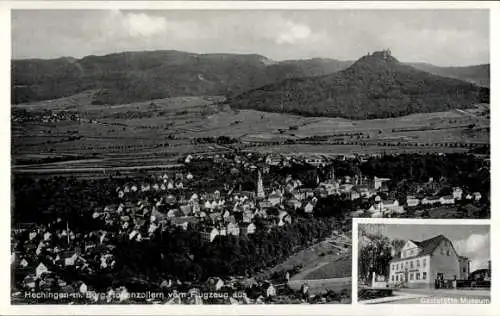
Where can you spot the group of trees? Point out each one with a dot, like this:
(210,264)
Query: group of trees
(221,140)
(183,254)
(374,256)
(461,170)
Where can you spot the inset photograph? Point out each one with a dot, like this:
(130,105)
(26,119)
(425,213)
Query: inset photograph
(424,263)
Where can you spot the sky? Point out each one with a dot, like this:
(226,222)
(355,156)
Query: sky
(442,37)
(472,241)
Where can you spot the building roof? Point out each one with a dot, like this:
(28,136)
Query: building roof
(427,246)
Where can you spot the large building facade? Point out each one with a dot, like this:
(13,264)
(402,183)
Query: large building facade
(421,263)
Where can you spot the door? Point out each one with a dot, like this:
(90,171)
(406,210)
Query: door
(440,280)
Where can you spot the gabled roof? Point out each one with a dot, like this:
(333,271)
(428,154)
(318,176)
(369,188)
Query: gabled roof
(427,246)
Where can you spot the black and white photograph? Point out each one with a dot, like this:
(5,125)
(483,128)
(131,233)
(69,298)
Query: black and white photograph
(219,156)
(424,263)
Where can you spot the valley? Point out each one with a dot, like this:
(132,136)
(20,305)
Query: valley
(160,132)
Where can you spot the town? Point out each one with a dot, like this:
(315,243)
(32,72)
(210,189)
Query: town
(221,222)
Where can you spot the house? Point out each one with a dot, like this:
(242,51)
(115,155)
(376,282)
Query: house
(29,282)
(388,207)
(377,182)
(429,200)
(233,229)
(293,203)
(477,196)
(308,208)
(210,234)
(40,270)
(305,193)
(274,199)
(412,201)
(186,209)
(24,263)
(421,263)
(215,284)
(446,200)
(353,195)
(321,192)
(247,229)
(365,192)
(457,193)
(346,187)
(70,259)
(251,228)
(464,268)
(266,204)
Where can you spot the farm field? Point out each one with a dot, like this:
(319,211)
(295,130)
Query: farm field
(303,149)
(163,130)
(339,267)
(313,258)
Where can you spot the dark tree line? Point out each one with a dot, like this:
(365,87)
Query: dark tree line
(183,255)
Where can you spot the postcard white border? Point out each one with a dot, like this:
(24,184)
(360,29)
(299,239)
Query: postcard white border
(354,309)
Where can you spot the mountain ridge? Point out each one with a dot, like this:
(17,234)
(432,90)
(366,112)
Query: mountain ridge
(140,76)
(375,86)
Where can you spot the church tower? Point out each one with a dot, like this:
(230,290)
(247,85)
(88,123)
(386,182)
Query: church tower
(260,186)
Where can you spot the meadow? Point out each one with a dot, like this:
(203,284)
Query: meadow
(162,131)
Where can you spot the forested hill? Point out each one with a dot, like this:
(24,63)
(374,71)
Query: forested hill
(140,76)
(477,74)
(375,86)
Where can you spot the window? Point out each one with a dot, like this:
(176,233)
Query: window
(411,264)
(418,275)
(424,262)
(418,263)
(448,252)
(411,276)
(406,264)
(392,278)
(464,270)
(424,275)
